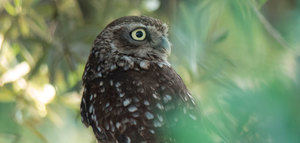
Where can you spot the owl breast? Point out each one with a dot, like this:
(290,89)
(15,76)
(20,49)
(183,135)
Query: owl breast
(134,100)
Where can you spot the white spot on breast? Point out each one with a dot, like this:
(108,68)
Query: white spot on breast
(101,83)
(125,120)
(152,131)
(107,104)
(144,64)
(91,108)
(149,115)
(99,74)
(126,102)
(121,94)
(91,97)
(167,64)
(102,90)
(133,121)
(113,67)
(132,108)
(128,140)
(118,84)
(97,53)
(112,126)
(159,106)
(156,124)
(185,98)
(160,118)
(191,97)
(155,96)
(128,60)
(88,67)
(160,64)
(152,88)
(94,117)
(193,101)
(113,47)
(167,98)
(139,83)
(118,125)
(146,103)
(96,121)
(119,90)
(99,129)
(106,126)
(142,128)
(126,67)
(98,68)
(141,90)
(111,83)
(121,64)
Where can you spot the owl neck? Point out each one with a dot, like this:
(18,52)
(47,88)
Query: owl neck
(102,62)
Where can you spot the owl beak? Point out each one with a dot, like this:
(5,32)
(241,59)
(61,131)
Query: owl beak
(164,46)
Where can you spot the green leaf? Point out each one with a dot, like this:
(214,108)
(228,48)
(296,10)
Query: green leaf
(18,3)
(23,25)
(10,9)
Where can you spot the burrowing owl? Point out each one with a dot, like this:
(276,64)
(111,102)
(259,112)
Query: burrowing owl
(131,93)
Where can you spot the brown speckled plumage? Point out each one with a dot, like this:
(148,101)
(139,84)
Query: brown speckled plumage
(131,93)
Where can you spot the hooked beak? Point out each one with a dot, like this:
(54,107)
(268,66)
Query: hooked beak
(164,46)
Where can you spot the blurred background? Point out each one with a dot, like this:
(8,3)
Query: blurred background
(239,58)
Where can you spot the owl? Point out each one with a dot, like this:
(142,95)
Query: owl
(131,92)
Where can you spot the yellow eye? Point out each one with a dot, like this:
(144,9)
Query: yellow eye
(138,34)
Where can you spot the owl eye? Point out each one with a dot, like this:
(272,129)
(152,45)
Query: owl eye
(138,34)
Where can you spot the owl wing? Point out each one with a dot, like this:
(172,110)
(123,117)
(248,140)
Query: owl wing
(138,105)
(182,115)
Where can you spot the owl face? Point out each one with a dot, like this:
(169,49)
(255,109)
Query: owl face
(141,37)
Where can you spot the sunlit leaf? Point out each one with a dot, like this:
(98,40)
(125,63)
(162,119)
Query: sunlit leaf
(10,8)
(24,27)
(6,94)
(18,3)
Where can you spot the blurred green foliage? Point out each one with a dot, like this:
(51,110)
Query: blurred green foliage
(240,59)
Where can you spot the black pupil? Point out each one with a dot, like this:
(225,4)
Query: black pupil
(139,34)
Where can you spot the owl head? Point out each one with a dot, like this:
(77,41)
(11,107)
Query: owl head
(137,36)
